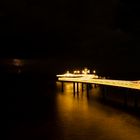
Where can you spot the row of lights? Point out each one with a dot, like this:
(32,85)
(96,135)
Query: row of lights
(85,71)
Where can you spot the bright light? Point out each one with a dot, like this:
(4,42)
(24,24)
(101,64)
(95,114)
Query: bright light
(94,71)
(75,71)
(86,71)
(78,71)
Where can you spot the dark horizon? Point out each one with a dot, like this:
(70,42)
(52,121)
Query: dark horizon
(104,35)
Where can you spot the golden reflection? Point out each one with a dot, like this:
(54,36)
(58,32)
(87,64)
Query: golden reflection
(80,116)
(70,103)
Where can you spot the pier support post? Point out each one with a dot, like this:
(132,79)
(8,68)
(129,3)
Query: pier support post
(74,87)
(62,88)
(77,87)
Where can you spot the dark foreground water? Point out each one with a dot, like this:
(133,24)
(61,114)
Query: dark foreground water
(38,109)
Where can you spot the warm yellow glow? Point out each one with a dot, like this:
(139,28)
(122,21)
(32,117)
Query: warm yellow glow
(70,104)
(118,83)
(78,71)
(94,71)
(77,74)
(86,77)
(86,71)
(96,76)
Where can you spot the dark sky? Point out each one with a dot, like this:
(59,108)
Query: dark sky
(105,33)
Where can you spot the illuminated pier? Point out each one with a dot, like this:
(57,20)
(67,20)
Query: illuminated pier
(86,79)
(117,83)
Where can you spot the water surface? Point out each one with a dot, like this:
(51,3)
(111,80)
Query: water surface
(51,114)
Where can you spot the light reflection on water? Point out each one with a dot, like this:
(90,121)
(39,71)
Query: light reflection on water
(83,117)
(65,116)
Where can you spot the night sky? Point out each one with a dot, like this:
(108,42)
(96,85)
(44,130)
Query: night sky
(100,33)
